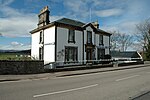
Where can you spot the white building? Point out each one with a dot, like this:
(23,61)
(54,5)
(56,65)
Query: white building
(68,42)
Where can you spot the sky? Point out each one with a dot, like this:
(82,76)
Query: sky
(19,17)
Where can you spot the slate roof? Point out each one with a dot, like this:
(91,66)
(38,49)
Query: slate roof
(70,22)
(126,54)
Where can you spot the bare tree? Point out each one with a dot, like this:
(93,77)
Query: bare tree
(121,41)
(143,33)
(114,40)
(143,36)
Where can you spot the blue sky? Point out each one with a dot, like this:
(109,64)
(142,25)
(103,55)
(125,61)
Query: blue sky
(19,17)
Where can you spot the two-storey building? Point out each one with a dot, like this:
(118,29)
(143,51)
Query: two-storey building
(68,42)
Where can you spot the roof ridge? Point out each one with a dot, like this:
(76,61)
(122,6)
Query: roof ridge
(70,19)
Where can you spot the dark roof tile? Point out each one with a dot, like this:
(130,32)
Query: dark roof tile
(126,54)
(70,22)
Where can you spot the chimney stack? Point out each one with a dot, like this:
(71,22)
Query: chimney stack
(95,24)
(44,17)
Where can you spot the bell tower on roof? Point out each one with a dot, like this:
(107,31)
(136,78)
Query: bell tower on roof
(44,17)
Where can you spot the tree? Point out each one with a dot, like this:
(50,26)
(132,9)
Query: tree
(143,36)
(121,41)
(1,34)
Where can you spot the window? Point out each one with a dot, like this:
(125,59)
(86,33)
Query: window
(89,37)
(41,52)
(100,53)
(100,39)
(71,54)
(41,37)
(71,36)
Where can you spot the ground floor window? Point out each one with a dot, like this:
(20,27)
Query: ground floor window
(100,53)
(71,54)
(41,53)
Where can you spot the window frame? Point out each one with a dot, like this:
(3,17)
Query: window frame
(101,38)
(74,56)
(89,37)
(41,41)
(100,53)
(41,53)
(71,39)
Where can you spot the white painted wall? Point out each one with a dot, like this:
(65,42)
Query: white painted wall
(62,41)
(106,44)
(49,45)
(97,44)
(95,40)
(35,45)
(85,38)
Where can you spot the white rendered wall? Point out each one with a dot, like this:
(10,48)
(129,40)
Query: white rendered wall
(105,41)
(106,44)
(85,38)
(49,45)
(97,44)
(35,45)
(62,41)
(95,41)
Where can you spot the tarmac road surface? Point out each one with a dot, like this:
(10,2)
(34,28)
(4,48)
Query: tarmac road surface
(111,85)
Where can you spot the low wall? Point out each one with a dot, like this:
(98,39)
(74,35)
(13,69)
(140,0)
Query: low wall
(21,67)
(131,63)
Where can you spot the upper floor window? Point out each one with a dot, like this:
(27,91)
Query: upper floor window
(41,37)
(89,37)
(71,36)
(100,39)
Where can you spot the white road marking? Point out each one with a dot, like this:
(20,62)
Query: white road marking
(96,73)
(64,91)
(127,77)
(26,80)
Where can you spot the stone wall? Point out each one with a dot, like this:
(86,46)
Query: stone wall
(21,67)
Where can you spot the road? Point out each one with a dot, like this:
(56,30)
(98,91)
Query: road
(112,85)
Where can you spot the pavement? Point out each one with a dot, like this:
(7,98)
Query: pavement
(142,96)
(4,78)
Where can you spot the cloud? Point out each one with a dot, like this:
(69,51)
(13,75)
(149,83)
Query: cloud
(128,27)
(109,12)
(15,23)
(54,18)
(17,26)
(75,5)
(77,9)
(5,2)
(16,44)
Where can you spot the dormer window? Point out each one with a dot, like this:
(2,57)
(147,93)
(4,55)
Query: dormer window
(71,36)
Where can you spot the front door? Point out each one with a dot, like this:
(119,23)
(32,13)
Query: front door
(89,54)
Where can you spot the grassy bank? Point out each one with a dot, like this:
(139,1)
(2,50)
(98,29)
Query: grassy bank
(14,56)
